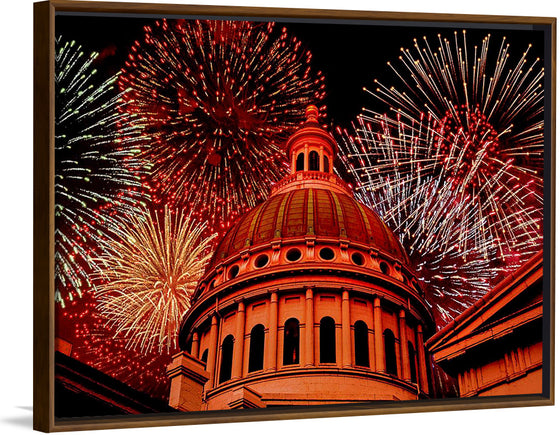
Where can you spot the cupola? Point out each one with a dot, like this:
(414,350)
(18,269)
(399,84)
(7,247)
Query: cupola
(311,148)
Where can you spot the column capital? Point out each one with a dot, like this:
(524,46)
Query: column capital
(213,316)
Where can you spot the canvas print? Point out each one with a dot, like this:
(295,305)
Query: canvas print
(255,213)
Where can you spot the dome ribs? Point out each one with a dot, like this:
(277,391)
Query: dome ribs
(242,233)
(310,228)
(353,221)
(367,223)
(339,216)
(294,221)
(281,215)
(264,227)
(324,214)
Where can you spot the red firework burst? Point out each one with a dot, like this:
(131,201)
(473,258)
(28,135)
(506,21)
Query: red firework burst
(218,100)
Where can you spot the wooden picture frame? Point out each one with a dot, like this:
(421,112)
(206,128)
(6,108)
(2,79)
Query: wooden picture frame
(447,344)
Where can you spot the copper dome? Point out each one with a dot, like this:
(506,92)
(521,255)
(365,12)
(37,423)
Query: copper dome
(318,212)
(311,202)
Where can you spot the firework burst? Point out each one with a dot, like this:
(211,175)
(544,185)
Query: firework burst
(218,99)
(449,245)
(148,273)
(485,113)
(455,166)
(89,170)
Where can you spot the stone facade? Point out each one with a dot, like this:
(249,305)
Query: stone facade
(496,347)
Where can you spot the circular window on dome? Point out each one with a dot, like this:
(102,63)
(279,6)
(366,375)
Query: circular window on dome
(384,267)
(358,259)
(261,261)
(233,271)
(326,254)
(293,254)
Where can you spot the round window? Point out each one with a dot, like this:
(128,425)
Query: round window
(233,271)
(326,254)
(358,259)
(261,261)
(293,254)
(384,267)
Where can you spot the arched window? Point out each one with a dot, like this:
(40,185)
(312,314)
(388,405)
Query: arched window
(313,161)
(325,164)
(412,362)
(256,349)
(390,353)
(361,345)
(227,359)
(300,162)
(291,341)
(204,357)
(327,340)
(189,346)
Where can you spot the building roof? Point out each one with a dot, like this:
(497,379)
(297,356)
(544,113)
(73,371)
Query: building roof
(310,211)
(514,303)
(310,202)
(83,391)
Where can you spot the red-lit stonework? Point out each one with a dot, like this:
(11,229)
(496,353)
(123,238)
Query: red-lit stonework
(309,299)
(496,346)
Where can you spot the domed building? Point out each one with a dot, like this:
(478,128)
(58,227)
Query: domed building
(309,299)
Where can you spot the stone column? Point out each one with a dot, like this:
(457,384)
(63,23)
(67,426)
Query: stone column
(195,345)
(371,349)
(423,374)
(346,336)
(212,351)
(378,331)
(237,362)
(272,348)
(321,159)
(398,374)
(306,158)
(309,324)
(405,361)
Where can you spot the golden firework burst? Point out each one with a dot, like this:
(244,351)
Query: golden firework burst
(148,273)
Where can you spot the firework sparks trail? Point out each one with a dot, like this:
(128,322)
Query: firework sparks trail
(94,344)
(486,120)
(89,173)
(147,276)
(448,242)
(455,167)
(218,99)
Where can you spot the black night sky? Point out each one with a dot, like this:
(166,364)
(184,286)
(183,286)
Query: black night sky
(350,55)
